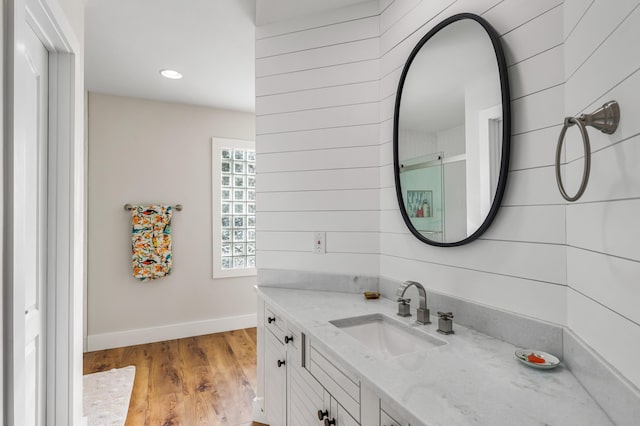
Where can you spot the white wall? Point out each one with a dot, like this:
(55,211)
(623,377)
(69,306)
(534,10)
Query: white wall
(145,151)
(519,265)
(573,265)
(480,95)
(74,11)
(603,260)
(326,85)
(522,263)
(417,143)
(317,141)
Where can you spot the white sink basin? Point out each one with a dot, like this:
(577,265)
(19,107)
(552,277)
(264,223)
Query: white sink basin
(386,336)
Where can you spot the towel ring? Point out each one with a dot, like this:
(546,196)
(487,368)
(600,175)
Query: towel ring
(568,122)
(605,119)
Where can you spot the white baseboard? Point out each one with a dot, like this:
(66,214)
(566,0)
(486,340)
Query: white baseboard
(140,336)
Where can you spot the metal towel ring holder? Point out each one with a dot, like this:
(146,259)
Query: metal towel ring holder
(605,119)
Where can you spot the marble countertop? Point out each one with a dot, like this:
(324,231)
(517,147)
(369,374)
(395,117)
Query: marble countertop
(472,380)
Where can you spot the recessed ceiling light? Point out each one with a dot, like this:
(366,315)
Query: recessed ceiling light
(172,74)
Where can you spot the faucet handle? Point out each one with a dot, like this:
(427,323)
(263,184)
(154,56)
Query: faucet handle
(404,309)
(445,323)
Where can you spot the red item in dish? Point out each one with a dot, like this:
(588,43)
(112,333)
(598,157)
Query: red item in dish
(535,359)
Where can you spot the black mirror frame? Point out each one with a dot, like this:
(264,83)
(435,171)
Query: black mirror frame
(506,128)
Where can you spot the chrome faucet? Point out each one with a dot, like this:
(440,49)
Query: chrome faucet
(403,303)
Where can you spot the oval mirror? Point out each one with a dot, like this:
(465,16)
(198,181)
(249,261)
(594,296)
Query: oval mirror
(451,132)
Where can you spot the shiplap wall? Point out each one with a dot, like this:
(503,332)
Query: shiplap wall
(602,62)
(317,141)
(325,94)
(520,263)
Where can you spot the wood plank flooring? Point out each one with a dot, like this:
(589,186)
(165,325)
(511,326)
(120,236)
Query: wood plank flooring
(206,380)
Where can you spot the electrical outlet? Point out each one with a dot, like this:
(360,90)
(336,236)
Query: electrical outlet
(319,242)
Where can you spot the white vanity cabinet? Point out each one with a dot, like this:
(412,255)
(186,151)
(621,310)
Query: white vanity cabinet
(387,420)
(275,358)
(307,397)
(305,386)
(300,381)
(281,350)
(343,387)
(390,417)
(310,404)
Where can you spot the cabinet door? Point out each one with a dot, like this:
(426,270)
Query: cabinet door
(341,384)
(275,381)
(340,415)
(306,398)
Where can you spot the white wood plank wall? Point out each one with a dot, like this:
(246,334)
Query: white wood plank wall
(520,263)
(326,88)
(602,62)
(318,141)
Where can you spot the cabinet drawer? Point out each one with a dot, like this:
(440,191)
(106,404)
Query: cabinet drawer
(275,323)
(343,386)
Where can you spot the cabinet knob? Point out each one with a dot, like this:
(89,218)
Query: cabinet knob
(280,363)
(271,319)
(328,422)
(288,339)
(323,414)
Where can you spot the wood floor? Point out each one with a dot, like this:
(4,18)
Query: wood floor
(205,380)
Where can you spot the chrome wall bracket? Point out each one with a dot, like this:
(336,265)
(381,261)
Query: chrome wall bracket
(605,119)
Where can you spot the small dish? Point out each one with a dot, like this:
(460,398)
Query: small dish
(371,295)
(550,361)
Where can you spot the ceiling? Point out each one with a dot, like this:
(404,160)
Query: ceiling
(211,42)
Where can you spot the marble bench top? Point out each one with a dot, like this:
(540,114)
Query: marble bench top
(472,380)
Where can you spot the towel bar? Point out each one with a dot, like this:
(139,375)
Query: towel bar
(605,119)
(129,207)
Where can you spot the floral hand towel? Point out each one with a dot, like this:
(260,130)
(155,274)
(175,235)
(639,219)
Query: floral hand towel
(151,241)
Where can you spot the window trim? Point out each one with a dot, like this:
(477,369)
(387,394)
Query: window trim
(216,205)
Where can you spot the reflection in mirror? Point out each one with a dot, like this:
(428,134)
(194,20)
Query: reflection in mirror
(451,117)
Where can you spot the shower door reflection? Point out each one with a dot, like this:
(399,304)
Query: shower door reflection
(422,181)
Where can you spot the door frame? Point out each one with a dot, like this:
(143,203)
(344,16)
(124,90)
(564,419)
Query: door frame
(66,215)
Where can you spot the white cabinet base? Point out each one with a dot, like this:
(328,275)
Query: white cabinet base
(309,381)
(258,410)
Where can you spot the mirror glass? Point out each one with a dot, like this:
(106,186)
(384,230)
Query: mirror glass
(451,132)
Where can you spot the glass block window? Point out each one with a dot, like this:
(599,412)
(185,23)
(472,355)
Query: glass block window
(234,207)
